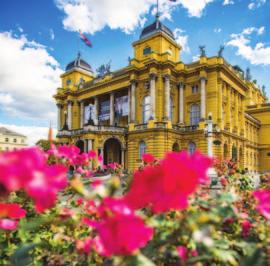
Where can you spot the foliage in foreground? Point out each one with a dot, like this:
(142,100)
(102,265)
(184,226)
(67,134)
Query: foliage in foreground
(166,214)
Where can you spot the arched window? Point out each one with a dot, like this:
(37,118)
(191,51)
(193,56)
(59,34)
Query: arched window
(146,108)
(225,151)
(171,109)
(175,147)
(191,148)
(142,149)
(234,153)
(194,114)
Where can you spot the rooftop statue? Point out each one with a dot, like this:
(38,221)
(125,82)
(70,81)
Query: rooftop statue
(104,69)
(221,50)
(202,50)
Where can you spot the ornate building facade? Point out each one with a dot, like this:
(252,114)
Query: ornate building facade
(157,103)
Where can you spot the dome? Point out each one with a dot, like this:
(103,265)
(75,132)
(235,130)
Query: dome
(79,63)
(157,26)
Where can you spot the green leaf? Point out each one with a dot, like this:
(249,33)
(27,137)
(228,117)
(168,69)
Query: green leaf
(255,259)
(139,260)
(21,256)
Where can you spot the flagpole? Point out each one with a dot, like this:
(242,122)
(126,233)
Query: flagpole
(157,15)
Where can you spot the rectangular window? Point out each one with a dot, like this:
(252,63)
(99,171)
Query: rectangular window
(104,110)
(147,51)
(195,89)
(121,106)
(89,114)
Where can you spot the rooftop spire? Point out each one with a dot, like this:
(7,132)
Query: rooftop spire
(50,134)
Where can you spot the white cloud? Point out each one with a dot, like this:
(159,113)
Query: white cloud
(52,35)
(256,4)
(33,133)
(181,39)
(195,7)
(217,30)
(29,76)
(228,2)
(6,99)
(257,55)
(196,58)
(91,16)
(20,29)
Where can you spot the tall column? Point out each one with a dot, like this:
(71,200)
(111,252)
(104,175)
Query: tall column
(59,122)
(81,114)
(123,158)
(203,98)
(90,145)
(167,101)
(153,95)
(112,109)
(96,111)
(85,145)
(133,102)
(69,114)
(181,103)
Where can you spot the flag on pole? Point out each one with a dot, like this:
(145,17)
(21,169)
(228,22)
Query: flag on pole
(172,0)
(85,39)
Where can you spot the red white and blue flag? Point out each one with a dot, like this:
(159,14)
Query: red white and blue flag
(85,39)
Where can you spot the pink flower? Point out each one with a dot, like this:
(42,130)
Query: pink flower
(100,158)
(148,158)
(10,210)
(246,226)
(84,246)
(66,213)
(223,181)
(7,224)
(16,167)
(27,169)
(92,154)
(45,184)
(182,253)
(79,201)
(194,253)
(263,198)
(120,231)
(168,185)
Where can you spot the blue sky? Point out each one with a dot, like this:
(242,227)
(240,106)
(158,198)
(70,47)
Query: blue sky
(38,38)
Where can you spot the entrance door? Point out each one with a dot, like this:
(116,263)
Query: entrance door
(112,151)
(80,145)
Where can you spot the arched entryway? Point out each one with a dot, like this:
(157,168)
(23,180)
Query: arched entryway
(176,147)
(112,151)
(80,145)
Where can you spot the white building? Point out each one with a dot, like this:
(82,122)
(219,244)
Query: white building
(10,140)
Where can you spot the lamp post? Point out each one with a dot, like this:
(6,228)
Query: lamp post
(209,136)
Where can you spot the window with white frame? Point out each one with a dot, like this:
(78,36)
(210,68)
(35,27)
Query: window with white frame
(142,149)
(191,148)
(194,114)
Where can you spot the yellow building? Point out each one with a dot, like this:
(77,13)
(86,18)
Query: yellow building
(157,103)
(10,140)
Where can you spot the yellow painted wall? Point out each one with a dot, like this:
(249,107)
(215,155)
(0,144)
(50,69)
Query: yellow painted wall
(227,98)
